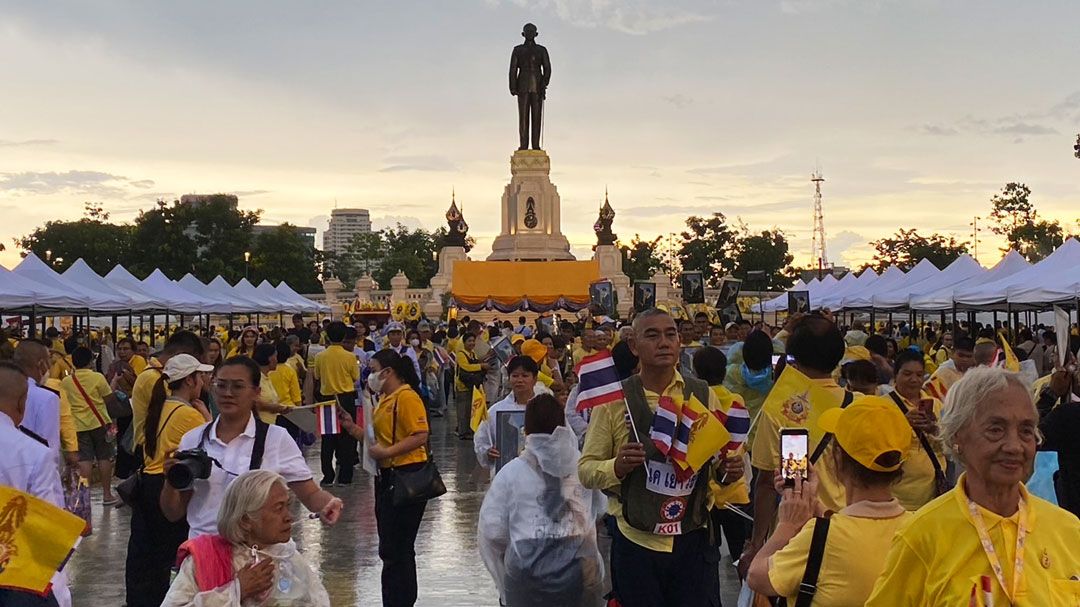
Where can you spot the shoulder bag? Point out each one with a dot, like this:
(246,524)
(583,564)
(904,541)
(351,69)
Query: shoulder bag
(416,483)
(129,489)
(941,482)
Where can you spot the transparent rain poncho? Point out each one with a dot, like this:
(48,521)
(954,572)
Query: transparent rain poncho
(537,529)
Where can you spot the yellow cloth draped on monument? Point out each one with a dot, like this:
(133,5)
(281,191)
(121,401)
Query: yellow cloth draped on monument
(36,539)
(506,283)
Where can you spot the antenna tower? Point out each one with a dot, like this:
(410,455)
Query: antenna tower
(817,250)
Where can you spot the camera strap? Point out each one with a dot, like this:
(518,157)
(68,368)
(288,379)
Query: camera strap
(825,440)
(257,450)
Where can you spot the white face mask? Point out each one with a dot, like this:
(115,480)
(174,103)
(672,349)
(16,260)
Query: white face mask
(375,381)
(414,342)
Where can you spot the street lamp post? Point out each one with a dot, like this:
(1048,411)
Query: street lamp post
(247,265)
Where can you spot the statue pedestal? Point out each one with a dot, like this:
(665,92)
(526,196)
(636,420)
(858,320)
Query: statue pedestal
(530,213)
(609,258)
(440,283)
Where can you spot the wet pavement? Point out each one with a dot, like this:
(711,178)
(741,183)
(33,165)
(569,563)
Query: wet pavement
(450,571)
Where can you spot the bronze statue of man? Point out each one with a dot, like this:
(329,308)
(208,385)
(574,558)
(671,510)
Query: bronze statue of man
(530,71)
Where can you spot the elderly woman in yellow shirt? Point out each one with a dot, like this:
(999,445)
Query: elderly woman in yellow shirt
(988,541)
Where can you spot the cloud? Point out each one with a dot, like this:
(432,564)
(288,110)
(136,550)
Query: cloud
(393,164)
(1024,128)
(8,143)
(391,221)
(937,130)
(95,183)
(636,17)
(243,193)
(678,100)
(844,240)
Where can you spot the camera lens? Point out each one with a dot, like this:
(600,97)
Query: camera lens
(181,476)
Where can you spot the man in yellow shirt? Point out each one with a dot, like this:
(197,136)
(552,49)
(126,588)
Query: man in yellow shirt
(181,342)
(962,359)
(337,372)
(662,553)
(90,395)
(817,348)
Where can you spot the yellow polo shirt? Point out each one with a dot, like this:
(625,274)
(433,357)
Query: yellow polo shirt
(607,433)
(69,438)
(268,393)
(937,558)
(138,363)
(96,388)
(337,370)
(466,361)
(916,486)
(287,385)
(184,418)
(411,419)
(855,549)
(140,399)
(765,450)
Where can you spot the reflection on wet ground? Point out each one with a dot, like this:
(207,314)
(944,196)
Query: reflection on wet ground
(450,570)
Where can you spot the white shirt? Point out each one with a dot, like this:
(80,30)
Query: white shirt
(29,466)
(280,455)
(42,417)
(485,433)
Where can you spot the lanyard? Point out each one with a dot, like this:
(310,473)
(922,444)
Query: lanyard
(991,552)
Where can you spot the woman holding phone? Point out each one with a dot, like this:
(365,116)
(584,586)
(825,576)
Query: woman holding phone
(923,477)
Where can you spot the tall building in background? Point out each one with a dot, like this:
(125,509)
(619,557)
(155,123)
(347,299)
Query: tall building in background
(344,224)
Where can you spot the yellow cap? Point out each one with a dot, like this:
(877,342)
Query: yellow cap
(517,338)
(534,350)
(869,428)
(853,353)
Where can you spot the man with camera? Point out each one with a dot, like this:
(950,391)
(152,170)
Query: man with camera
(214,454)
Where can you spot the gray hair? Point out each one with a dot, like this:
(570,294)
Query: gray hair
(290,340)
(967,396)
(244,497)
(644,315)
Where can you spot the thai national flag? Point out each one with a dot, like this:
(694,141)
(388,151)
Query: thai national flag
(737,422)
(670,430)
(598,381)
(328,419)
(443,357)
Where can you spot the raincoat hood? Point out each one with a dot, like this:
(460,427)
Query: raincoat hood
(557,453)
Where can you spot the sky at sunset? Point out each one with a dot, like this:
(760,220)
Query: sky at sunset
(917,111)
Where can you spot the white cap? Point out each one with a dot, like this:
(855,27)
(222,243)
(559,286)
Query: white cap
(180,366)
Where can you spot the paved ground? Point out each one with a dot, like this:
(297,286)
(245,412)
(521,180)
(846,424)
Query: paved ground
(450,570)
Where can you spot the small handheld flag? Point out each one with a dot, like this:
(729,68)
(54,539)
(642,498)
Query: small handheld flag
(598,381)
(36,540)
(479,408)
(327,415)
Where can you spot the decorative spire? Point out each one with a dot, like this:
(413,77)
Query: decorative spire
(602,227)
(457,229)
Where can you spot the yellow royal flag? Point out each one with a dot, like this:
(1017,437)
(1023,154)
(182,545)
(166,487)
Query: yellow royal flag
(708,436)
(36,539)
(479,408)
(796,401)
(1011,362)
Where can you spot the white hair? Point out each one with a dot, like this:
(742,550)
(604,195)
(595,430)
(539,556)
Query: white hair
(967,396)
(244,497)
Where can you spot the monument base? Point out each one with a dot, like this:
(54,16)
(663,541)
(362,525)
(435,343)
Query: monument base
(530,213)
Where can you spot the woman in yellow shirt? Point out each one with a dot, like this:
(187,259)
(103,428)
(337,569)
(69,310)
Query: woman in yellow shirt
(287,385)
(919,483)
(245,346)
(710,365)
(401,438)
(871,438)
(468,363)
(154,539)
(988,532)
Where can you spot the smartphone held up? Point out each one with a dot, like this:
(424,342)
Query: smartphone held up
(794,454)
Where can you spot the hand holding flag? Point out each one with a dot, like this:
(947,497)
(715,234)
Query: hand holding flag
(328,422)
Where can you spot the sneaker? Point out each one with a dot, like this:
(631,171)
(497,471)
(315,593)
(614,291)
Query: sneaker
(326,482)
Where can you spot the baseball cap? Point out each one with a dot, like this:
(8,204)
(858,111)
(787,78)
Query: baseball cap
(534,350)
(182,365)
(868,429)
(517,338)
(395,326)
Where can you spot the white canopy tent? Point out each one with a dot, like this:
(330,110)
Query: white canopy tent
(218,303)
(863,298)
(18,292)
(82,275)
(180,299)
(240,302)
(88,298)
(898,297)
(120,278)
(309,305)
(268,292)
(266,305)
(941,299)
(780,302)
(1048,272)
(835,297)
(1054,287)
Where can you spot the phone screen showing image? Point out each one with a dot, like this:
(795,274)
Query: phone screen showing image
(794,453)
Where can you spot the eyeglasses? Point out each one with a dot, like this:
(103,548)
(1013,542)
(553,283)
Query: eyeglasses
(226,387)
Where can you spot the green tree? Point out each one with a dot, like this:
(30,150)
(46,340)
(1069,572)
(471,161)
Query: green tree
(1037,239)
(100,244)
(641,258)
(766,252)
(206,239)
(706,245)
(285,255)
(906,248)
(1011,209)
(360,257)
(408,251)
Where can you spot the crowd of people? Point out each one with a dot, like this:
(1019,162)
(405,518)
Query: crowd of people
(923,439)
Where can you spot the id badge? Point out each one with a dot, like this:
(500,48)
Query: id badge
(661,479)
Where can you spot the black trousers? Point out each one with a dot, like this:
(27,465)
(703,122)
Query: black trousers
(18,598)
(463,407)
(688,576)
(152,546)
(340,446)
(126,463)
(736,529)
(397,527)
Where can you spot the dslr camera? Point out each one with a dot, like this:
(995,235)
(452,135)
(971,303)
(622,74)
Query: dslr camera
(191,465)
